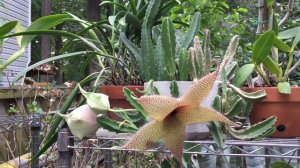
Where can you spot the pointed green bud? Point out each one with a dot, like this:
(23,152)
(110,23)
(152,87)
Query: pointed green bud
(98,102)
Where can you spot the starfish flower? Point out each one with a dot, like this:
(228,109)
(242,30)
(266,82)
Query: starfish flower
(171,115)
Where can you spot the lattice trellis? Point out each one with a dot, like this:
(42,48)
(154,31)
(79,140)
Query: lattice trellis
(271,148)
(10,123)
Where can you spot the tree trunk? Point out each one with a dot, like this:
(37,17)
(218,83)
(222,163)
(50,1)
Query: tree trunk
(93,15)
(58,63)
(45,40)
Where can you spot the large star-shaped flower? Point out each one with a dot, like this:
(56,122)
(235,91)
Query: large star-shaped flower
(171,115)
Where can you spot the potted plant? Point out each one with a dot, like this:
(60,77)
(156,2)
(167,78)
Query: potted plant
(127,20)
(172,64)
(282,99)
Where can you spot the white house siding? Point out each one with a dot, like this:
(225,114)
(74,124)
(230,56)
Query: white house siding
(19,10)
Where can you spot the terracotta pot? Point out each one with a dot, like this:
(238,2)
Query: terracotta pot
(285,107)
(117,98)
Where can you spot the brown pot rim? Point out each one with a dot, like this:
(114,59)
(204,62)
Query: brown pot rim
(274,96)
(116,91)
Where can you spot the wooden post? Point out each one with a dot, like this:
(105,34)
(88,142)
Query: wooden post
(65,153)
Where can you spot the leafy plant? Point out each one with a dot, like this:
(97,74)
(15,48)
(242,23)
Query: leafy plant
(265,52)
(156,59)
(260,55)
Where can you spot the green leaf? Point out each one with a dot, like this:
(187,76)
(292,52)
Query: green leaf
(217,103)
(131,98)
(122,7)
(98,102)
(115,126)
(133,49)
(242,74)
(280,164)
(263,46)
(281,45)
(7,27)
(216,131)
(133,20)
(296,39)
(19,28)
(193,30)
(174,89)
(284,87)
(242,10)
(236,108)
(44,23)
(259,94)
(272,65)
(275,27)
(253,131)
(214,127)
(290,33)
(156,91)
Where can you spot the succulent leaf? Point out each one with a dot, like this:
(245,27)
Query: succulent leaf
(255,130)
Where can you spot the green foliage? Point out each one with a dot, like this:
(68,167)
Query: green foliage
(116,126)
(34,108)
(131,98)
(161,65)
(7,28)
(13,109)
(233,103)
(44,23)
(280,164)
(174,89)
(260,55)
(262,47)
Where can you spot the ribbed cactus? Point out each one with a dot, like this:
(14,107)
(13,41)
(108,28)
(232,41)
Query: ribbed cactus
(199,57)
(157,56)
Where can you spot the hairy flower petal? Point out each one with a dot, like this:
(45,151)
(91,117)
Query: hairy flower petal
(199,90)
(146,137)
(173,135)
(200,114)
(158,107)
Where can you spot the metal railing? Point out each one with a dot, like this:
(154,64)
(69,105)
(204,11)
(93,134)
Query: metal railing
(14,122)
(266,148)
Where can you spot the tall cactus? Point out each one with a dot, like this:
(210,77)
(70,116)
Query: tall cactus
(156,58)
(199,56)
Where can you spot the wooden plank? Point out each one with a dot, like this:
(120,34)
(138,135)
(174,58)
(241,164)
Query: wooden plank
(12,94)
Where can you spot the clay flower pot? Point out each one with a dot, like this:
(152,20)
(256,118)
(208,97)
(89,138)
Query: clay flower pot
(284,106)
(117,98)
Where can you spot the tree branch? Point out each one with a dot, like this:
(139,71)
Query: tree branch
(288,13)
